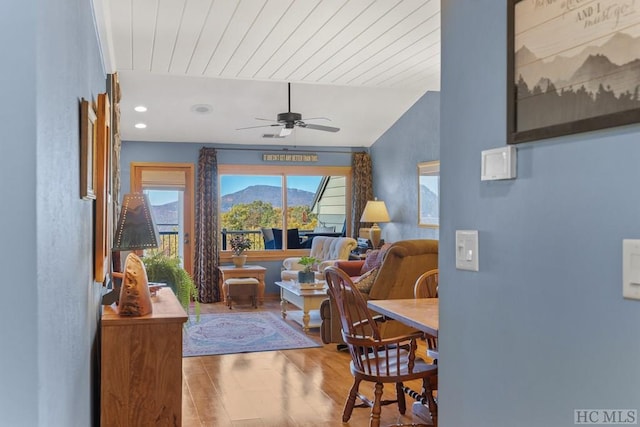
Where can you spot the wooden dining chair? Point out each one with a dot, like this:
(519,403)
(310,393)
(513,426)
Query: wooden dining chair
(427,287)
(376,359)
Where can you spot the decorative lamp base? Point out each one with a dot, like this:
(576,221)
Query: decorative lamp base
(135,298)
(375,233)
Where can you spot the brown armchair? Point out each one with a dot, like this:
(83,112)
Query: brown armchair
(403,263)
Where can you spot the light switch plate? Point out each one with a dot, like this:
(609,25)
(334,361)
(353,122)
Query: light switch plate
(467,250)
(631,269)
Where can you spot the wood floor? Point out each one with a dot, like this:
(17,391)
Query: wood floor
(305,387)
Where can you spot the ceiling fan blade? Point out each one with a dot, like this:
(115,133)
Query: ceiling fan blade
(266,120)
(317,118)
(319,127)
(261,126)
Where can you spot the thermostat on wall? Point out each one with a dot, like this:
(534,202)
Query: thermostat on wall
(499,163)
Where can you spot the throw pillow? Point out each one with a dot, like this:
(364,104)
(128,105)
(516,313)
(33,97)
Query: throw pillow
(365,282)
(370,262)
(374,258)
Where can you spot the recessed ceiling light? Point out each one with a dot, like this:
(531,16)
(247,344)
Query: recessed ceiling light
(140,125)
(202,108)
(140,108)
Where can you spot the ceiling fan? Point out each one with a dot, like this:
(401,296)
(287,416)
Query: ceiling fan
(289,120)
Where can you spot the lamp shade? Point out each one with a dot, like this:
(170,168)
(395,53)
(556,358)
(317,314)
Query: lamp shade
(375,211)
(136,228)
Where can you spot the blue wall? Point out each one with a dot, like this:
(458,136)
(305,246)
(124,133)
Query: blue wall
(50,307)
(244,155)
(414,138)
(542,329)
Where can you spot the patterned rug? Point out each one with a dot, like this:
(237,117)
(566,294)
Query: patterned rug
(241,332)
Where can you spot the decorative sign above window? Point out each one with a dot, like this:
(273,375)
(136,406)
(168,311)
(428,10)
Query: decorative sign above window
(289,157)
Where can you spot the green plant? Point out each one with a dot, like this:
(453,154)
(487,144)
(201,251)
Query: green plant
(239,244)
(308,262)
(163,269)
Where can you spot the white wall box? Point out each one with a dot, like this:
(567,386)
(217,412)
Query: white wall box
(499,163)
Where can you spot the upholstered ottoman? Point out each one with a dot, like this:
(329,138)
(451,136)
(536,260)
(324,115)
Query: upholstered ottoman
(242,287)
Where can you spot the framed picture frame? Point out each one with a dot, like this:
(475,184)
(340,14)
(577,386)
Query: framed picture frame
(573,66)
(87,150)
(113,90)
(429,194)
(102,219)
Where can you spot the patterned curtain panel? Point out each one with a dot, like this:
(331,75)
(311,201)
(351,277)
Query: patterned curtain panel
(362,188)
(207,259)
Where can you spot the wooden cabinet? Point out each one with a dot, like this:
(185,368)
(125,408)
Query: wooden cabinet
(141,365)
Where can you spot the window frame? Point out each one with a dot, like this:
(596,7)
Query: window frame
(283,171)
(428,169)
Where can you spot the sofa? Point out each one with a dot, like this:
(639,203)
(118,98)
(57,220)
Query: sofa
(393,275)
(327,249)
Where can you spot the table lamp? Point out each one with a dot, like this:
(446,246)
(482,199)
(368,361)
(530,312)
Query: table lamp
(135,230)
(375,211)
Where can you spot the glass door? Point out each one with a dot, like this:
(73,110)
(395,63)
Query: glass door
(170,190)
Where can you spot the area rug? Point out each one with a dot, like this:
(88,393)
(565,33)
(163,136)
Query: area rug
(241,332)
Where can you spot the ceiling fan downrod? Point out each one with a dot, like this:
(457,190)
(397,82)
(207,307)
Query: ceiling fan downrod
(289,118)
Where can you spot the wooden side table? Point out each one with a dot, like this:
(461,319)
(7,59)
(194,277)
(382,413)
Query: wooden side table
(141,365)
(233,272)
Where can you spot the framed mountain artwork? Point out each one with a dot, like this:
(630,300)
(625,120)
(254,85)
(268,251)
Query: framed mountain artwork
(574,66)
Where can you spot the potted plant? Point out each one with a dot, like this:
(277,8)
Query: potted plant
(307,275)
(239,243)
(163,269)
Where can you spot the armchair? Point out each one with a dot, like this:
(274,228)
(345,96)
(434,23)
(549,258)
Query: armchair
(402,264)
(326,249)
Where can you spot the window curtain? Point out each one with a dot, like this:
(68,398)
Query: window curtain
(362,190)
(207,258)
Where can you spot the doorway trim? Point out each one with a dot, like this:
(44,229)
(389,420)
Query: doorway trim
(188,169)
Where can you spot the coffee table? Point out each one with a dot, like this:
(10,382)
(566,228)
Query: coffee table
(308,301)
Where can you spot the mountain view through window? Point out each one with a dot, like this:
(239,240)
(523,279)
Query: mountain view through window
(255,206)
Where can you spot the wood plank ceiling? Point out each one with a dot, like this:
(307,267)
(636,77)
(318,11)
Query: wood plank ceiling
(360,63)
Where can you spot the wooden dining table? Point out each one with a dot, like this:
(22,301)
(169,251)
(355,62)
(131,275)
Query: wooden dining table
(419,313)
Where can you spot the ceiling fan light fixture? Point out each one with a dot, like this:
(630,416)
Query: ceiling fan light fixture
(285,131)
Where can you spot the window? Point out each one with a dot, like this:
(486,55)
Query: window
(262,201)
(429,194)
